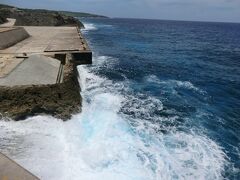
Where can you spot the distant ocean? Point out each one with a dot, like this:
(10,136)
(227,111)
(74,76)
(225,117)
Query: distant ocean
(161,101)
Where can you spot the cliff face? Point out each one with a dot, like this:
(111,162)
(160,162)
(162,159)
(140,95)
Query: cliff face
(60,100)
(27,17)
(2,20)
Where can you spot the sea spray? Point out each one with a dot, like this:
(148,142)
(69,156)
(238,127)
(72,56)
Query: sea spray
(125,130)
(103,143)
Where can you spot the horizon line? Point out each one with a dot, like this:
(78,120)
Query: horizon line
(183,20)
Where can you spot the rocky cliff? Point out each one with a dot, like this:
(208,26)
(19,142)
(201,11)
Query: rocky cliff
(2,20)
(59,100)
(29,17)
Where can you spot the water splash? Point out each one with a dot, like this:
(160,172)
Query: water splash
(103,143)
(89,27)
(115,137)
(174,83)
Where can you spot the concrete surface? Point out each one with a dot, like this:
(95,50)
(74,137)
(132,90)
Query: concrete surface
(45,41)
(37,69)
(3,29)
(10,23)
(10,170)
(11,36)
(48,39)
(8,64)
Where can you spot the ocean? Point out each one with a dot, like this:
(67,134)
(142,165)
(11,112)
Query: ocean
(160,101)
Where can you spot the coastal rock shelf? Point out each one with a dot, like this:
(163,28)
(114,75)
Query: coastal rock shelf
(38,75)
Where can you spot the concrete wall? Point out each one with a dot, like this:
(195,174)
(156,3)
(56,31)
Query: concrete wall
(10,170)
(12,36)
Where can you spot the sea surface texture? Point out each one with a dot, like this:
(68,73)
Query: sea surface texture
(161,101)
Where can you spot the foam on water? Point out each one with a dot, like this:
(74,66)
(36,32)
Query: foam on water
(115,137)
(88,27)
(93,27)
(103,143)
(174,83)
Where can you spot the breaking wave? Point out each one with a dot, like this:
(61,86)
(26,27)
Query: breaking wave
(93,27)
(120,134)
(89,27)
(174,83)
(115,137)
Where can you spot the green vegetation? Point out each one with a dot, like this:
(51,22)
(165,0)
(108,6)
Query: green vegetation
(68,13)
(81,14)
(5,6)
(2,19)
(32,17)
(42,17)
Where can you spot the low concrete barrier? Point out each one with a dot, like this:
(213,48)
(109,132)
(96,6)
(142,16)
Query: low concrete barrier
(10,170)
(11,36)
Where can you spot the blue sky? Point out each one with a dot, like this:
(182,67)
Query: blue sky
(200,10)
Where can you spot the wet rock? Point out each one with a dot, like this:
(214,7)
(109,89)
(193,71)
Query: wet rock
(59,100)
(2,20)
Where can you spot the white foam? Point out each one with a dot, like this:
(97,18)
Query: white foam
(103,143)
(89,27)
(93,27)
(174,83)
(104,61)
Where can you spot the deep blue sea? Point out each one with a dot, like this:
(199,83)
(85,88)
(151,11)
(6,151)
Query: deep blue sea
(180,82)
(160,101)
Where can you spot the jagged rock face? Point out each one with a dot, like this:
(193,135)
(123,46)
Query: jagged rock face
(2,20)
(59,100)
(25,17)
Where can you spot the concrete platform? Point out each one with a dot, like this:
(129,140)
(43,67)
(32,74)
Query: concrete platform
(8,64)
(45,40)
(35,70)
(20,66)
(39,74)
(4,29)
(10,170)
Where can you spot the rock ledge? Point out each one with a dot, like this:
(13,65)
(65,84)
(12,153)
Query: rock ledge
(59,100)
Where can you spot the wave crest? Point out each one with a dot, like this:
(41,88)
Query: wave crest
(174,83)
(89,27)
(115,137)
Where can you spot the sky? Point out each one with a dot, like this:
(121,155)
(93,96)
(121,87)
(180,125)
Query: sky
(197,10)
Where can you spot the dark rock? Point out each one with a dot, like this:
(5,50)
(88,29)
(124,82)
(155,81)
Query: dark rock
(2,20)
(27,17)
(59,100)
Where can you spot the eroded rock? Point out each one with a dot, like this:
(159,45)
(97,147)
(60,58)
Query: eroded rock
(59,100)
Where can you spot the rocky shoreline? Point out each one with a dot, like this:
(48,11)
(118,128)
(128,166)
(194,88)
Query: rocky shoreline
(2,20)
(59,100)
(29,17)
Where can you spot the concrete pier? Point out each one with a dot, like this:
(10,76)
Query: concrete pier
(34,70)
(38,58)
(49,41)
(38,75)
